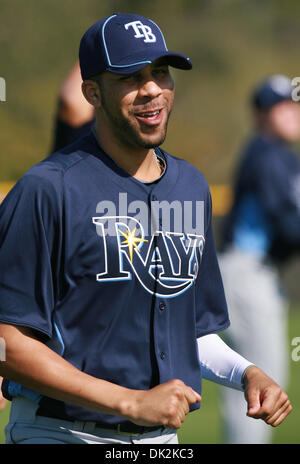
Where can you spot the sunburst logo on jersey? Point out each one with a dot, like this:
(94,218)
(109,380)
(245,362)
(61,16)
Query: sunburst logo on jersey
(132,241)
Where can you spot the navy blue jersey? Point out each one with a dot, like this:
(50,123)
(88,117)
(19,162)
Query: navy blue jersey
(118,277)
(265,217)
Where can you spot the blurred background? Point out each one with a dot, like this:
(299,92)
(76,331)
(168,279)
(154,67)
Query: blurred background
(232,44)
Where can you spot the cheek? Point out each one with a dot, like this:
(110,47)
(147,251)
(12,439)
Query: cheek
(288,125)
(169,97)
(171,89)
(127,103)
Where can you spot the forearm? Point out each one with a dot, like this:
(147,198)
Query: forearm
(35,366)
(73,107)
(221,364)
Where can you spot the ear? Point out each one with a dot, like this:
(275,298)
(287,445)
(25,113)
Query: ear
(91,92)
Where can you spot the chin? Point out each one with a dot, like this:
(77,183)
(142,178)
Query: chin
(151,142)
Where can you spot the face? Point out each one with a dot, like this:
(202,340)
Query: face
(136,108)
(284,120)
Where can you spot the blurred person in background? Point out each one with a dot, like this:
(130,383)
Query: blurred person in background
(260,234)
(74,115)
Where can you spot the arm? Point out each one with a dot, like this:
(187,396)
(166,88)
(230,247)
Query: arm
(34,365)
(74,116)
(220,364)
(73,107)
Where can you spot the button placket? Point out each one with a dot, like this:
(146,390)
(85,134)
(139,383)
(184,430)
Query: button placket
(162,305)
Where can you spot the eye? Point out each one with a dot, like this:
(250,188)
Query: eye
(131,79)
(126,78)
(161,72)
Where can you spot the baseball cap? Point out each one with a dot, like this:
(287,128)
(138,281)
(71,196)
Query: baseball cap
(124,44)
(272,90)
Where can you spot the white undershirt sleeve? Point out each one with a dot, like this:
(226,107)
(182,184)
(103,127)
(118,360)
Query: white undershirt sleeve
(220,363)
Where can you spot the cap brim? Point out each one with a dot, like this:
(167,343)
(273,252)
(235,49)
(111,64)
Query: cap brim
(176,60)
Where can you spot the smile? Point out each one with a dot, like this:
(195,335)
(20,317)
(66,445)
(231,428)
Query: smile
(150,118)
(149,114)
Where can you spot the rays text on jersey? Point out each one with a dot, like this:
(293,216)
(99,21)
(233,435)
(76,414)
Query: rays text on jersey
(165,263)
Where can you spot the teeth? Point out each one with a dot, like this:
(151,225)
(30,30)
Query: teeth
(153,113)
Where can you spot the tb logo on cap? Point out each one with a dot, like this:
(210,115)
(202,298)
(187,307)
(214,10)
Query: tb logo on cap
(141,31)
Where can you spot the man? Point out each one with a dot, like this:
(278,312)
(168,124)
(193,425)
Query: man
(261,233)
(109,298)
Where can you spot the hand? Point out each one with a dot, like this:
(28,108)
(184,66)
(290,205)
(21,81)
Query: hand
(166,404)
(266,400)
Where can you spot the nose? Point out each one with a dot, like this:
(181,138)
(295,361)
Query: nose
(150,89)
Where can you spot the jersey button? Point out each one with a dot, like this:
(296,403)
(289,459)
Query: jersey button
(154,197)
(162,305)
(162,355)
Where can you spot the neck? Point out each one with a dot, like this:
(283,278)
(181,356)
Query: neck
(138,162)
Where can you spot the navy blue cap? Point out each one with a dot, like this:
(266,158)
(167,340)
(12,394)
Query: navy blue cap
(124,44)
(272,90)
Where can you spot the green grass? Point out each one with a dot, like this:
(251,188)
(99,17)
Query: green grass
(204,426)
(3,421)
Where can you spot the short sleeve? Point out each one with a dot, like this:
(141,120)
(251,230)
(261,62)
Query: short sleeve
(211,307)
(277,197)
(271,181)
(29,247)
